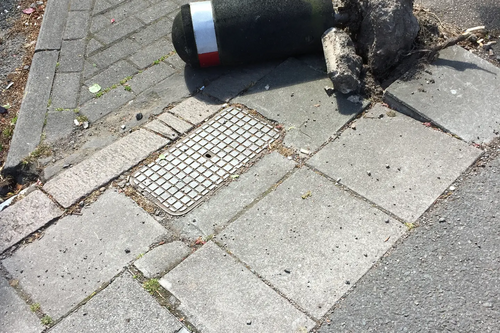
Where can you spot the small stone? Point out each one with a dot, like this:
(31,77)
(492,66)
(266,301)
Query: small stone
(452,188)
(329,91)
(305,151)
(102,189)
(387,220)
(287,271)
(338,180)
(76,122)
(369,173)
(442,219)
(127,251)
(138,116)
(123,127)
(249,322)
(487,305)
(65,166)
(26,67)
(267,87)
(85,124)
(348,282)
(387,166)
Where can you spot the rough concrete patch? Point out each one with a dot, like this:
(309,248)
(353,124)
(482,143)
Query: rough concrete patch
(342,62)
(176,123)
(388,29)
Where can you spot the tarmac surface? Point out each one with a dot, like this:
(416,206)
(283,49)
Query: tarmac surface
(245,199)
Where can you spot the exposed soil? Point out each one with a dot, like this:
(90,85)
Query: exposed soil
(18,36)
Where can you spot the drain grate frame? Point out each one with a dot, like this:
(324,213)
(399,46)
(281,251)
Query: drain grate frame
(185,174)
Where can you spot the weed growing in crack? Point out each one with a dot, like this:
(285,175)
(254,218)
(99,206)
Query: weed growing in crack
(151,286)
(35,307)
(47,321)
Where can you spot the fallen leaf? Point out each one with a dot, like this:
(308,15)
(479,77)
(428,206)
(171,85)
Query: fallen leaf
(95,88)
(28,10)
(235,176)
(161,157)
(307,195)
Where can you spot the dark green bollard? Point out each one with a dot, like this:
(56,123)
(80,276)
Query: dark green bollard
(231,32)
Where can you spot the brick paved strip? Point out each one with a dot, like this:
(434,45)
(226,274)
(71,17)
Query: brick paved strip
(25,217)
(31,116)
(69,186)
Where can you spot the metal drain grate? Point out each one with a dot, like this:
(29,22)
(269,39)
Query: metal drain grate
(185,173)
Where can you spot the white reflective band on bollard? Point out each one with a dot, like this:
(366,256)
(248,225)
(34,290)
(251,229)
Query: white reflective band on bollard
(204,33)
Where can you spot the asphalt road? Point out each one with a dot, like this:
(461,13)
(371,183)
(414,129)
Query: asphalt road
(444,277)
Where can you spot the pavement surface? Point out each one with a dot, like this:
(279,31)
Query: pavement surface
(245,199)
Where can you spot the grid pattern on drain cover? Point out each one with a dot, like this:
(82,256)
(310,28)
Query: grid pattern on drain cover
(188,171)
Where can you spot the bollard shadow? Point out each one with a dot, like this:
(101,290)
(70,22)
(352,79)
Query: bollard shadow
(265,78)
(460,66)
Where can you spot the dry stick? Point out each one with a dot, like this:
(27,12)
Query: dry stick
(450,42)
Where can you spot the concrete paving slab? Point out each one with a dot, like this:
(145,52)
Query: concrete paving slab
(114,53)
(220,295)
(65,90)
(237,80)
(176,123)
(147,55)
(118,30)
(25,217)
(396,162)
(112,75)
(150,77)
(458,92)
(162,129)
(31,116)
(215,214)
(153,13)
(80,253)
(108,163)
(162,258)
(59,124)
(311,248)
(16,315)
(100,107)
(76,25)
(124,306)
(196,109)
(155,31)
(54,21)
(293,94)
(71,57)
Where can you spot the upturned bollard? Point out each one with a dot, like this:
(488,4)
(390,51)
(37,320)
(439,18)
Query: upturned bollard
(231,32)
